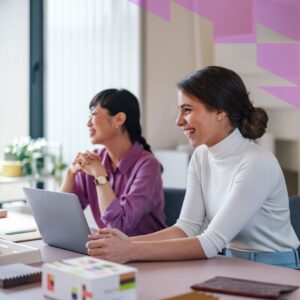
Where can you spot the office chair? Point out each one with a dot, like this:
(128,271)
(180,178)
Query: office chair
(173,203)
(295,213)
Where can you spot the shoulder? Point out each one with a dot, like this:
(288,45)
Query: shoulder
(148,158)
(146,161)
(259,162)
(255,153)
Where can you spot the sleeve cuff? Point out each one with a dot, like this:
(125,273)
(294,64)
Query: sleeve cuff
(114,209)
(190,229)
(209,249)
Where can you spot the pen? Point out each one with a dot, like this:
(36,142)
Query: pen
(19,232)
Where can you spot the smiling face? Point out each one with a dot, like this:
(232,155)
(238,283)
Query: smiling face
(200,124)
(102,127)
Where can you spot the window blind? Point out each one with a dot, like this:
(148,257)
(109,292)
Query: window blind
(90,45)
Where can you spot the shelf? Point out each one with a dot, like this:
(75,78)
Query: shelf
(5,180)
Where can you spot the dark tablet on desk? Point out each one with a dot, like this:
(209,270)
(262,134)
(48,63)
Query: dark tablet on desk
(243,287)
(60,219)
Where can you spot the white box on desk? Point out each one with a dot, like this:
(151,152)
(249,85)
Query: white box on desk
(17,253)
(89,278)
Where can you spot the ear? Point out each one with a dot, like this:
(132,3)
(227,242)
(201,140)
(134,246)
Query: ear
(119,119)
(220,115)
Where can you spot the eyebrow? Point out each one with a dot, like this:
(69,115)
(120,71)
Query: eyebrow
(185,105)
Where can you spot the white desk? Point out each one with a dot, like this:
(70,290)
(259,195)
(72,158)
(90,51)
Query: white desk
(158,280)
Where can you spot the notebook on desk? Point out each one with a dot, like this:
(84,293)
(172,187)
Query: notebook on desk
(21,236)
(18,227)
(242,287)
(60,219)
(18,274)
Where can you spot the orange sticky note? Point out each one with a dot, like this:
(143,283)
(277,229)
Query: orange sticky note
(3,213)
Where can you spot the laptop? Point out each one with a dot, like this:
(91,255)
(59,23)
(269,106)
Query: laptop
(59,218)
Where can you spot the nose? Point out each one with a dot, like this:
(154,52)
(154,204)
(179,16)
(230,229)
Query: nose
(89,122)
(180,121)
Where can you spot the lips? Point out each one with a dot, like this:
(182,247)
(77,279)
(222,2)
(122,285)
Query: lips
(92,132)
(189,132)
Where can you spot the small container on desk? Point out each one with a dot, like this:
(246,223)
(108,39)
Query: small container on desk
(17,253)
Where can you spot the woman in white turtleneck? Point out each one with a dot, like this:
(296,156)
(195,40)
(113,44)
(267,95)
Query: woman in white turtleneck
(234,185)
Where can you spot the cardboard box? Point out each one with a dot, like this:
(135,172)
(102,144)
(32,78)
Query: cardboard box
(16,253)
(89,278)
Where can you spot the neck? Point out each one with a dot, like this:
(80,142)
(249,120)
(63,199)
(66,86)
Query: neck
(229,130)
(117,148)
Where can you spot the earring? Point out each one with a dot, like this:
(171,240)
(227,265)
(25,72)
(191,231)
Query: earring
(117,126)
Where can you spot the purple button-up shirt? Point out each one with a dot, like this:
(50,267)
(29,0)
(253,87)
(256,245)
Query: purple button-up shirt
(139,207)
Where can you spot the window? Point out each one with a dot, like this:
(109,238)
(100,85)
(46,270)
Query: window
(90,45)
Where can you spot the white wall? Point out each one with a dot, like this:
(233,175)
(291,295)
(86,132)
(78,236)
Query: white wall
(171,51)
(14,70)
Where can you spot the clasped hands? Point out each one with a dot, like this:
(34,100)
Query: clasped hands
(110,244)
(89,163)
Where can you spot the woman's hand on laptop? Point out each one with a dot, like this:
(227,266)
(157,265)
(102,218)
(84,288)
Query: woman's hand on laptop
(108,232)
(110,245)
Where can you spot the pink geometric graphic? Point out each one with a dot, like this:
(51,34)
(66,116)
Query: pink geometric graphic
(226,14)
(290,95)
(235,22)
(281,16)
(281,60)
(160,8)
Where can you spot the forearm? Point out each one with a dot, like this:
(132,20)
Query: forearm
(165,234)
(112,245)
(68,183)
(105,196)
(168,250)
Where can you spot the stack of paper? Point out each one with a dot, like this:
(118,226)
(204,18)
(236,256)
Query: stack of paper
(18,227)
(12,253)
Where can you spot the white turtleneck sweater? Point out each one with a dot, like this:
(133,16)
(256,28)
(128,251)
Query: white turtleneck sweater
(238,188)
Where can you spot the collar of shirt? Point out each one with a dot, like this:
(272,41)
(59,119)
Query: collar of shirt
(126,162)
(228,146)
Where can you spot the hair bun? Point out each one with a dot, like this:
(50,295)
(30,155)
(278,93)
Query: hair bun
(248,112)
(254,125)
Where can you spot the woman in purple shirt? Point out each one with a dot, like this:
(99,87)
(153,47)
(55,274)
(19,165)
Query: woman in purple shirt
(121,182)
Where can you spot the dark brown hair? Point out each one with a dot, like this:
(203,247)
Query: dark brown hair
(116,101)
(222,89)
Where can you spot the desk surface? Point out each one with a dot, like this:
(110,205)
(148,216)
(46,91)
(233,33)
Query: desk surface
(158,280)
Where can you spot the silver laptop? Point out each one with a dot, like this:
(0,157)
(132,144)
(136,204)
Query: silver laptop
(59,218)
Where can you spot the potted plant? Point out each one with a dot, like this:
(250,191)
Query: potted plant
(34,158)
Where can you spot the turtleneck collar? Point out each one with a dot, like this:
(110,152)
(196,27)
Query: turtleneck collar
(229,145)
